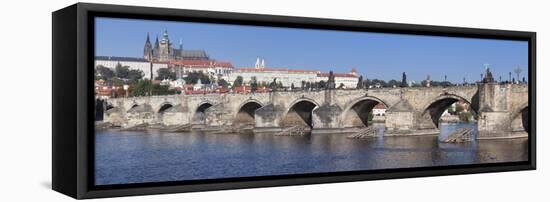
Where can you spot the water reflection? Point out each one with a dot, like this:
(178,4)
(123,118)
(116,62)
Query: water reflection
(134,157)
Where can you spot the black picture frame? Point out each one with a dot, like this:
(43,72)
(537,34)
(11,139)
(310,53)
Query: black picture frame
(73,109)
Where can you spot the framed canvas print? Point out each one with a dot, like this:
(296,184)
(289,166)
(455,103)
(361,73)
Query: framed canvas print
(154,100)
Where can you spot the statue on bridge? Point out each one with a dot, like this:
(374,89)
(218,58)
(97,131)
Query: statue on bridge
(331,84)
(488,76)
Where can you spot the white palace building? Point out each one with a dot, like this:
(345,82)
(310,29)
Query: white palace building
(291,77)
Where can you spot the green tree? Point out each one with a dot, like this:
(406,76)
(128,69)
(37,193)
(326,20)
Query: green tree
(142,88)
(465,116)
(121,71)
(115,81)
(165,73)
(392,83)
(459,108)
(382,83)
(370,117)
(194,77)
(157,89)
(238,81)
(104,73)
(134,75)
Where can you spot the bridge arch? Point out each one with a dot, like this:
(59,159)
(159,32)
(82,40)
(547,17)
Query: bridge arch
(133,105)
(432,112)
(199,112)
(108,106)
(164,106)
(357,112)
(520,119)
(299,112)
(245,112)
(105,104)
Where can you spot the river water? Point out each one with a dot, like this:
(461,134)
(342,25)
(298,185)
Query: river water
(152,156)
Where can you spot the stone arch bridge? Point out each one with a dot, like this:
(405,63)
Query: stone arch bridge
(501,109)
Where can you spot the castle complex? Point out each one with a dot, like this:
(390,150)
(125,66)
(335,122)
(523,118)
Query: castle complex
(162,54)
(163,51)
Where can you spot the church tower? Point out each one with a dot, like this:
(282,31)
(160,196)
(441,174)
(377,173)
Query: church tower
(165,48)
(260,63)
(148,49)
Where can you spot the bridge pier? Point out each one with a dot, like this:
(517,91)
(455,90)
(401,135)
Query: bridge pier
(326,116)
(141,114)
(493,125)
(499,106)
(400,119)
(176,115)
(115,116)
(327,120)
(267,118)
(219,116)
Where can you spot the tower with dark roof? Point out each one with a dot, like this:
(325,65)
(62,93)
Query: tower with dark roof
(165,48)
(157,42)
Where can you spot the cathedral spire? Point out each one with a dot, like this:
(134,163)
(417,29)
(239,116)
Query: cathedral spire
(147,49)
(157,42)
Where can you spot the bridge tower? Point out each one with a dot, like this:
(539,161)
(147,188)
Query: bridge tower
(494,115)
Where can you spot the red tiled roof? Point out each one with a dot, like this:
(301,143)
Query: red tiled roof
(277,70)
(325,74)
(201,63)
(380,106)
(303,71)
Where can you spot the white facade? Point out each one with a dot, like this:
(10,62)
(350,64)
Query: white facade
(224,72)
(286,76)
(349,81)
(379,112)
(133,63)
(212,68)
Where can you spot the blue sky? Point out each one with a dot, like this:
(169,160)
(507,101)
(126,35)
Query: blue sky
(375,55)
